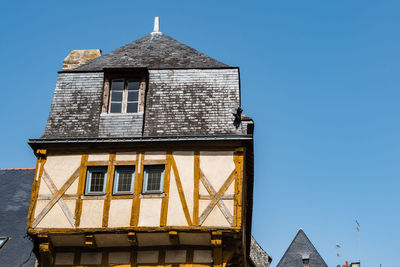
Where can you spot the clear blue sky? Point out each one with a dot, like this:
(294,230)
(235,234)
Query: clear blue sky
(320,78)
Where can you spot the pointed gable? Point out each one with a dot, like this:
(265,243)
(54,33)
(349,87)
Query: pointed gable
(301,248)
(153,51)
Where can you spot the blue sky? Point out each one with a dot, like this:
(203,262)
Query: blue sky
(320,79)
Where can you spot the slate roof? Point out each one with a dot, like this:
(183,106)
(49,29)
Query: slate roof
(153,51)
(258,256)
(301,247)
(15,192)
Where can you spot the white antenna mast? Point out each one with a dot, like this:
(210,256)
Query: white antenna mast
(358,231)
(156,29)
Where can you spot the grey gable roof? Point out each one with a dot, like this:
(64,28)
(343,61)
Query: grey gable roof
(153,51)
(301,247)
(258,256)
(15,193)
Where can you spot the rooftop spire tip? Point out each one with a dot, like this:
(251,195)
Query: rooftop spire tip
(156,29)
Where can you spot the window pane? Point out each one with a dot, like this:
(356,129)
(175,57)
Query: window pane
(133,96)
(116,107)
(132,107)
(116,96)
(154,179)
(117,85)
(3,241)
(125,178)
(133,85)
(97,181)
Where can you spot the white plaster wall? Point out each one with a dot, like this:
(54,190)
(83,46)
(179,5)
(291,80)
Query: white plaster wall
(43,188)
(129,156)
(92,213)
(155,155)
(217,166)
(175,215)
(61,167)
(185,164)
(98,156)
(150,210)
(120,213)
(215,218)
(55,218)
(230,205)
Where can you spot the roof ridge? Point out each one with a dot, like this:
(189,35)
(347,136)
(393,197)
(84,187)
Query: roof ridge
(154,51)
(16,169)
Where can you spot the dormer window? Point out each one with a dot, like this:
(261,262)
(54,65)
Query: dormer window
(124,91)
(124,96)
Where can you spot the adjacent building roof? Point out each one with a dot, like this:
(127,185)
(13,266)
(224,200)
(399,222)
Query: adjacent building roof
(301,248)
(15,192)
(258,256)
(153,51)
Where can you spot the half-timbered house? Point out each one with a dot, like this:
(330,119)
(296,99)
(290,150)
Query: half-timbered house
(145,160)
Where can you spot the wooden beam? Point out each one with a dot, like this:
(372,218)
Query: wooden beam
(81,189)
(90,241)
(45,251)
(216,198)
(174,237)
(132,239)
(238,159)
(109,188)
(181,193)
(164,203)
(53,189)
(216,242)
(52,202)
(138,189)
(35,188)
(196,190)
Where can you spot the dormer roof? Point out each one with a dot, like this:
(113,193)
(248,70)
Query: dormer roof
(153,51)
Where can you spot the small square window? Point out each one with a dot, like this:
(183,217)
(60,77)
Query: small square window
(96,178)
(153,179)
(124,178)
(3,241)
(306,262)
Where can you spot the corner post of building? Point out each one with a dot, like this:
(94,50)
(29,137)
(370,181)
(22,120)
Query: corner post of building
(41,155)
(216,242)
(45,251)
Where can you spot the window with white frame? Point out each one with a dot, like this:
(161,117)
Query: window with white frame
(124,178)
(153,179)
(3,241)
(96,178)
(124,97)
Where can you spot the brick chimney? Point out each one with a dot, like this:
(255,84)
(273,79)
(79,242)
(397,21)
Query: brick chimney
(79,57)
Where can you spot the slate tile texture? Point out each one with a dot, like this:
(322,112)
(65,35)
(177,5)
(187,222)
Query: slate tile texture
(15,193)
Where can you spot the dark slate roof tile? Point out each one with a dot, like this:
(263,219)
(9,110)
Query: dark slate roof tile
(153,51)
(15,192)
(301,247)
(258,256)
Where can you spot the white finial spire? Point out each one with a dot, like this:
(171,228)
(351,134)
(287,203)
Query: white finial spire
(156,29)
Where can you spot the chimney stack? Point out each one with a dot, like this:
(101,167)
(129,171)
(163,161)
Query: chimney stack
(79,57)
